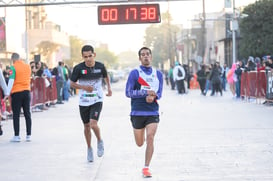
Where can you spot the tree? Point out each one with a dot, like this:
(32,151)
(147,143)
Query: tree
(109,59)
(257,29)
(75,50)
(102,54)
(128,59)
(162,39)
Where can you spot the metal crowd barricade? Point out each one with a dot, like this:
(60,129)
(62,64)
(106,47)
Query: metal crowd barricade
(244,84)
(5,105)
(261,84)
(52,90)
(38,91)
(253,85)
(40,94)
(269,85)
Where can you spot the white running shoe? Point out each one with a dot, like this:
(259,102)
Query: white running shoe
(15,139)
(90,156)
(28,138)
(100,151)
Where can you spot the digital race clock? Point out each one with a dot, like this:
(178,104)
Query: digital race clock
(128,14)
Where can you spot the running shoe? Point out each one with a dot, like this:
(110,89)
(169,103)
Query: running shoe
(146,172)
(1,131)
(28,138)
(90,156)
(15,139)
(100,148)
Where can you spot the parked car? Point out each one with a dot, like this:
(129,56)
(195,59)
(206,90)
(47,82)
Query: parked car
(114,76)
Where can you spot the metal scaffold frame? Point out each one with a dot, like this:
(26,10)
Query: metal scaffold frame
(18,3)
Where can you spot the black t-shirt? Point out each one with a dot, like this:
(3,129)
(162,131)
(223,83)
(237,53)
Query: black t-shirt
(81,72)
(89,76)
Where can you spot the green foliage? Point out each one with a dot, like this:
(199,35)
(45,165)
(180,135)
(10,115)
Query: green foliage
(162,40)
(128,59)
(109,59)
(102,54)
(75,50)
(257,29)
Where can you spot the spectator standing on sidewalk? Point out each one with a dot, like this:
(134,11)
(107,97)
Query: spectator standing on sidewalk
(238,71)
(179,76)
(66,83)
(144,87)
(170,75)
(232,79)
(59,75)
(202,78)
(225,70)
(215,78)
(87,76)
(19,87)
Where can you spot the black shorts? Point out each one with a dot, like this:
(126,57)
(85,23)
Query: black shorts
(90,112)
(139,122)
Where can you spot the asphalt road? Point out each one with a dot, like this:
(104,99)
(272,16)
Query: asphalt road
(199,139)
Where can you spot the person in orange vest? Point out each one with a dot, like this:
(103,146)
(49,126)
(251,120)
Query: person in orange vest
(19,88)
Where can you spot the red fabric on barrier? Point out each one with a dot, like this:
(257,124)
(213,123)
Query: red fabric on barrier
(252,81)
(32,101)
(53,90)
(244,84)
(39,91)
(40,94)
(261,84)
(253,84)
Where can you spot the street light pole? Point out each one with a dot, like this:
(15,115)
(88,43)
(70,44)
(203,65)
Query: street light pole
(233,34)
(204,43)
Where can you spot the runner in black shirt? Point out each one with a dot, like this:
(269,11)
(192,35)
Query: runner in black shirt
(88,76)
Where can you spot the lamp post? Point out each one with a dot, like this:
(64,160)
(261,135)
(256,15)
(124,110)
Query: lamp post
(26,32)
(234,21)
(203,26)
(188,48)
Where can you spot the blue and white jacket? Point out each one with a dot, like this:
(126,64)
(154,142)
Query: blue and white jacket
(139,81)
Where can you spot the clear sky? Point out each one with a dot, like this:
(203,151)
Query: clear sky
(81,20)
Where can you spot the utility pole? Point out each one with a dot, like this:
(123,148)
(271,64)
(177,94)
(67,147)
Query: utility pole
(234,21)
(26,32)
(203,33)
(188,48)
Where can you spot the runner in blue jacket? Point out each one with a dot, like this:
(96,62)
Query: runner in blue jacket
(144,87)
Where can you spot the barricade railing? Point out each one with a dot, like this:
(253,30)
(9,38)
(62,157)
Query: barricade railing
(253,84)
(42,94)
(269,85)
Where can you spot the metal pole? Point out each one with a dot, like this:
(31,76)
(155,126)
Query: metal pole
(233,34)
(188,48)
(26,32)
(204,43)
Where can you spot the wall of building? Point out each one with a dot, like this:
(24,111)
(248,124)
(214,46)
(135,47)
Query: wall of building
(15,32)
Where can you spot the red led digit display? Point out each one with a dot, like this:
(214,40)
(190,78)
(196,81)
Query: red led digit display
(128,14)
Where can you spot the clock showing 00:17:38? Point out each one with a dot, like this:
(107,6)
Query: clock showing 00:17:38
(128,14)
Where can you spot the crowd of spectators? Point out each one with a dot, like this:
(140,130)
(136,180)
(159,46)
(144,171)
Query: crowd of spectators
(40,69)
(217,78)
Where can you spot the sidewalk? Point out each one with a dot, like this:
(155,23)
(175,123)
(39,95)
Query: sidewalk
(199,139)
